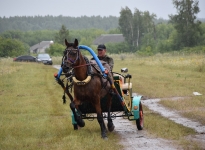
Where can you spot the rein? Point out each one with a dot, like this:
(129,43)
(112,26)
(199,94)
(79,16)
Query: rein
(82,65)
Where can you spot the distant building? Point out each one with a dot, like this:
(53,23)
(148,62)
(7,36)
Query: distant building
(109,38)
(40,47)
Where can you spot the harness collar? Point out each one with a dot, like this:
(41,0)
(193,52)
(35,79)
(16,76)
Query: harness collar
(84,82)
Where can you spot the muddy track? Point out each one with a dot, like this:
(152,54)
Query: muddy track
(133,139)
(153,105)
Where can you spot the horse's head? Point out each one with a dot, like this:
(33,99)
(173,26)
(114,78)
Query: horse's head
(71,54)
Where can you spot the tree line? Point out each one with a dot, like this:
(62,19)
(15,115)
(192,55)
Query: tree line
(144,34)
(30,23)
(49,22)
(182,30)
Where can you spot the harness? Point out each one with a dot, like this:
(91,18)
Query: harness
(68,67)
(90,73)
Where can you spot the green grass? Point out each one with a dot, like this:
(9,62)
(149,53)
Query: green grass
(192,107)
(33,115)
(166,76)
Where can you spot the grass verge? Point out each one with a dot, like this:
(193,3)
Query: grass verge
(34,117)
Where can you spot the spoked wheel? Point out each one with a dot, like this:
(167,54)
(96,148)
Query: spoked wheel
(140,121)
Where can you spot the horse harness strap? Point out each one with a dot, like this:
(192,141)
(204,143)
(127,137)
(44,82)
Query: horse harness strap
(89,72)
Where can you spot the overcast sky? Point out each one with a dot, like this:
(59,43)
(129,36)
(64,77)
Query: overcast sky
(78,8)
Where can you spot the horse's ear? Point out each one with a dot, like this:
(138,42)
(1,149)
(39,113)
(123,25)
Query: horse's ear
(76,42)
(66,42)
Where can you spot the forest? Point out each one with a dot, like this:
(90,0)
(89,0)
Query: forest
(144,33)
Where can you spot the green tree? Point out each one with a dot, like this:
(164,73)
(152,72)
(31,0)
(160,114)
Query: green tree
(62,35)
(56,49)
(135,26)
(12,47)
(114,31)
(13,34)
(138,27)
(117,48)
(203,37)
(163,31)
(126,25)
(188,28)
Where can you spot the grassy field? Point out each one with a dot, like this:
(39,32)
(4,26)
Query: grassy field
(33,115)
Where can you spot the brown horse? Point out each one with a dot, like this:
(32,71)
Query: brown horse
(89,86)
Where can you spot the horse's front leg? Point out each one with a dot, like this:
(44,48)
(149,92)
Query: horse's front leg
(101,121)
(110,124)
(77,114)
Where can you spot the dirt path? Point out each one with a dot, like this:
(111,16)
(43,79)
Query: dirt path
(133,139)
(153,105)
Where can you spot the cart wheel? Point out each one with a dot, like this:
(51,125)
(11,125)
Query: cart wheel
(75,126)
(140,121)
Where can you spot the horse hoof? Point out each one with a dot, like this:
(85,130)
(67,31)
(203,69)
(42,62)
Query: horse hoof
(110,127)
(81,123)
(105,138)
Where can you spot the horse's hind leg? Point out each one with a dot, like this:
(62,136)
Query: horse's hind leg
(110,124)
(77,117)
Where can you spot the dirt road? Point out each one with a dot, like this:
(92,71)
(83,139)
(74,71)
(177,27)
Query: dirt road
(133,139)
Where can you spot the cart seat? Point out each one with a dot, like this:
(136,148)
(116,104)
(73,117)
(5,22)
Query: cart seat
(125,86)
(118,77)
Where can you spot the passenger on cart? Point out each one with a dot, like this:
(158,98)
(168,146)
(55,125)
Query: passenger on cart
(102,56)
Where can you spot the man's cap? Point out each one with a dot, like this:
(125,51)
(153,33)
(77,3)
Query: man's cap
(101,47)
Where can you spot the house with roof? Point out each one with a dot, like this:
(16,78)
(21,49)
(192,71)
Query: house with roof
(40,47)
(109,38)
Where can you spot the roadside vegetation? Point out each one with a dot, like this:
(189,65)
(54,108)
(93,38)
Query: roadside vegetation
(33,115)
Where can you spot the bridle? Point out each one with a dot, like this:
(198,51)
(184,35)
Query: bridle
(71,52)
(66,60)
